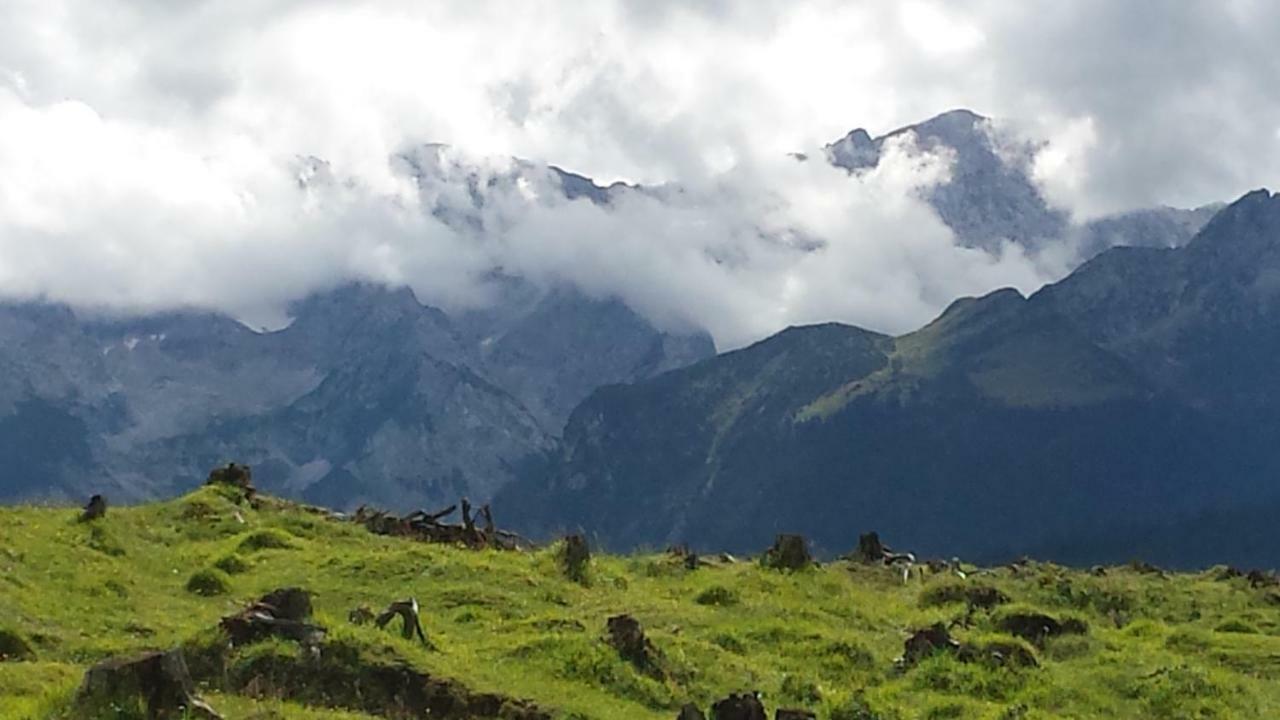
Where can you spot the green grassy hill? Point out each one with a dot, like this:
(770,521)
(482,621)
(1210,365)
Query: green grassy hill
(1154,645)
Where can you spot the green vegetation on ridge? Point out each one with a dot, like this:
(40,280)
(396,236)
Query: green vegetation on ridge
(1141,644)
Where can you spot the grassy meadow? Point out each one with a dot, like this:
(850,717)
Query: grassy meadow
(1146,644)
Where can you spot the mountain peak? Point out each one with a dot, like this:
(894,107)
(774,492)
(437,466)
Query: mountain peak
(1252,219)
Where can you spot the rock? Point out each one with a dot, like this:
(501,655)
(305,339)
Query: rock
(575,557)
(870,549)
(627,637)
(1098,571)
(96,508)
(739,707)
(789,552)
(159,679)
(691,712)
(793,714)
(925,642)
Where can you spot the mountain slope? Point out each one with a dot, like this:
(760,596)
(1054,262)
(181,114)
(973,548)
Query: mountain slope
(367,396)
(1067,421)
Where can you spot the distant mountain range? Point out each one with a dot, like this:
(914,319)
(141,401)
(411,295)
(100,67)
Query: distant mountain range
(1131,408)
(370,396)
(367,396)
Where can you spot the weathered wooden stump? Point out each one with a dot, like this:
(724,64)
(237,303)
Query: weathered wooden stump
(96,508)
(407,610)
(870,549)
(575,557)
(159,680)
(691,712)
(627,637)
(789,552)
(925,642)
(280,613)
(236,476)
(739,707)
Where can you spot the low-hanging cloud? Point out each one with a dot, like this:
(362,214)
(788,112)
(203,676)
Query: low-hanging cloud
(156,155)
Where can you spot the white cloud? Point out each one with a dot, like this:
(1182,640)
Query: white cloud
(149,150)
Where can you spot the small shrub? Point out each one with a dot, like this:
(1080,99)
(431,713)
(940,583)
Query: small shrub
(1236,625)
(800,690)
(854,708)
(717,595)
(266,540)
(197,510)
(946,593)
(232,564)
(102,541)
(852,654)
(14,647)
(209,582)
(730,643)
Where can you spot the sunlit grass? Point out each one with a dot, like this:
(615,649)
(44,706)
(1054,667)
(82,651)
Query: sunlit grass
(1182,645)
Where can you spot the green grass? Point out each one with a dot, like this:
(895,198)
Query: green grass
(1175,646)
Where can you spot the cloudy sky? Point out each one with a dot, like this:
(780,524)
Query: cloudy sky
(149,150)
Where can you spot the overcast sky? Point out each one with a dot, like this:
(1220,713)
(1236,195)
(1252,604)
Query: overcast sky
(150,149)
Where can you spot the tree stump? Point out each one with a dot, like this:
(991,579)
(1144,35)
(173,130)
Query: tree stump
(96,508)
(280,613)
(575,557)
(160,680)
(739,707)
(408,612)
(627,637)
(237,476)
(925,642)
(870,549)
(690,712)
(789,552)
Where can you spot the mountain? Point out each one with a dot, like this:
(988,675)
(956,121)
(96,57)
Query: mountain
(367,396)
(1135,394)
(991,196)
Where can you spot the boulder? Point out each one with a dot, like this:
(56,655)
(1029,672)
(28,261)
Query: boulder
(158,681)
